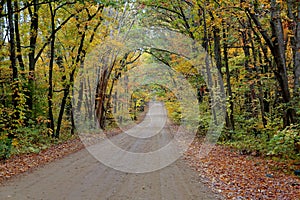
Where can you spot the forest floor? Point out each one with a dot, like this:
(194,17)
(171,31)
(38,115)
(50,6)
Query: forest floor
(238,176)
(224,171)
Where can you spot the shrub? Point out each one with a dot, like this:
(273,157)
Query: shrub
(5,147)
(285,143)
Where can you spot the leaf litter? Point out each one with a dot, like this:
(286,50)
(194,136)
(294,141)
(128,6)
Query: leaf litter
(238,176)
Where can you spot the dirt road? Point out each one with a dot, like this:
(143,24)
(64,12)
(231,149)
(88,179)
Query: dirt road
(82,176)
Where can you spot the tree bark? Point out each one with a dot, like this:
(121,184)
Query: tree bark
(50,79)
(219,65)
(13,66)
(13,54)
(276,44)
(34,23)
(279,56)
(79,59)
(297,54)
(100,98)
(249,97)
(229,89)
(18,39)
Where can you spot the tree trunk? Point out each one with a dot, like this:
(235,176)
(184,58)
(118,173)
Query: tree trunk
(18,40)
(263,102)
(249,97)
(229,89)
(79,60)
(34,23)
(276,43)
(218,60)
(208,65)
(100,98)
(70,114)
(280,59)
(50,79)
(297,55)
(12,56)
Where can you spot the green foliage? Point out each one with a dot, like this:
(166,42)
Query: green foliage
(286,143)
(248,143)
(31,140)
(5,147)
(11,120)
(204,117)
(108,3)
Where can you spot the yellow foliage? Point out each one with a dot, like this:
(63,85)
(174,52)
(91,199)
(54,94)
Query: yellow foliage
(14,142)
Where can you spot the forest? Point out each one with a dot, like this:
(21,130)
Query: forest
(46,45)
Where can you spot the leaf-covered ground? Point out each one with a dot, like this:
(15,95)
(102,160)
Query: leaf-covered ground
(18,164)
(238,176)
